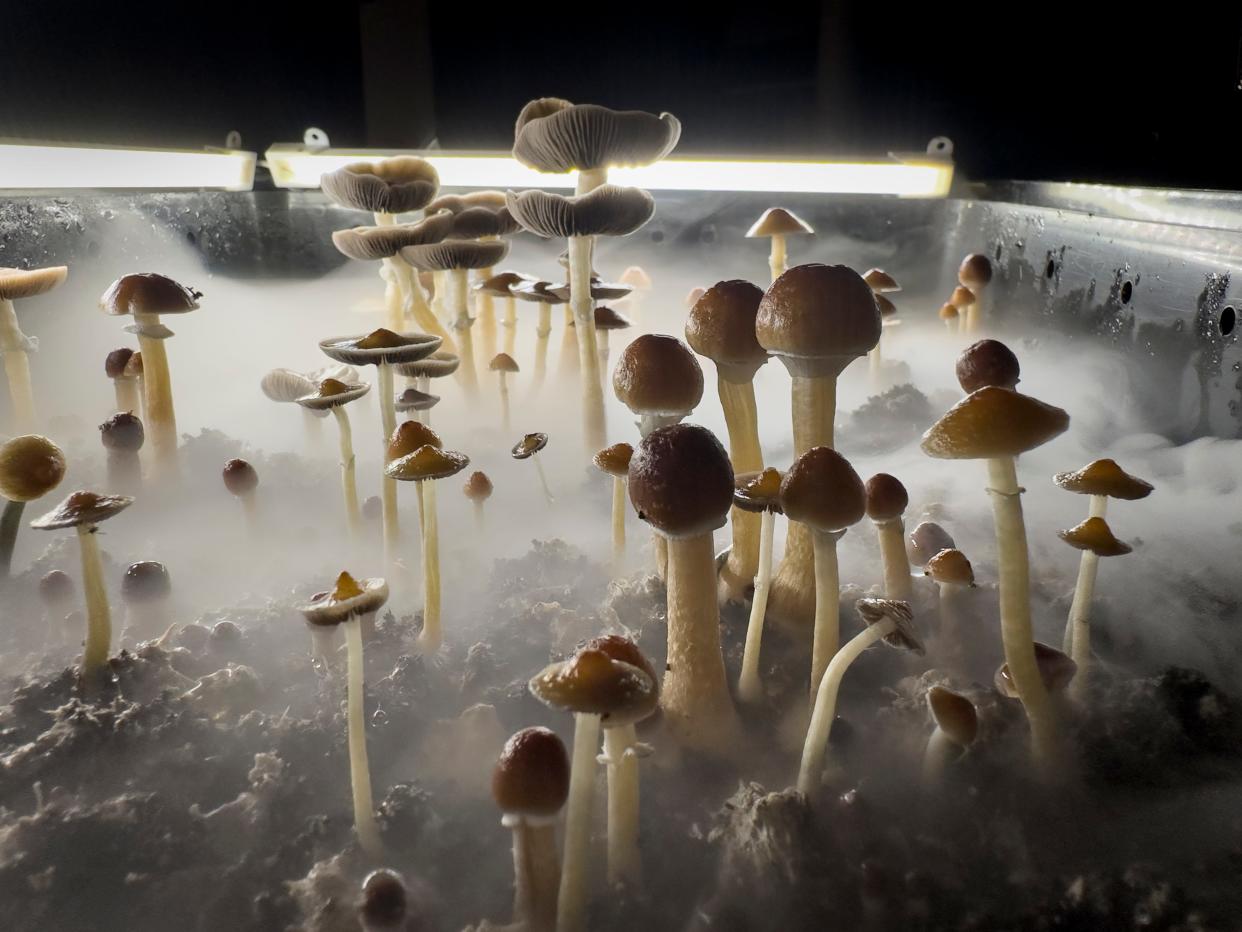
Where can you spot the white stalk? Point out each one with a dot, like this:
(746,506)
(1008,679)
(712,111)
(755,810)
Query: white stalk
(431,637)
(536,871)
(588,352)
(458,280)
(940,750)
(349,486)
(16,367)
(98,614)
(359,768)
(777,260)
(1079,626)
(543,479)
(543,330)
(891,535)
(509,322)
(504,401)
(749,687)
(388,487)
(621,755)
(827,636)
(572,899)
(618,525)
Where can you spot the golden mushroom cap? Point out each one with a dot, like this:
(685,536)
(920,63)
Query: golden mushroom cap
(408,437)
(30,467)
(681,481)
(478,488)
(975,272)
(614,460)
(950,566)
(962,297)
(1095,535)
(880,281)
(148,293)
(948,312)
(954,714)
(330,393)
(1104,477)
(594,683)
(427,463)
(503,362)
(721,326)
(777,221)
(758,491)
(349,597)
(993,422)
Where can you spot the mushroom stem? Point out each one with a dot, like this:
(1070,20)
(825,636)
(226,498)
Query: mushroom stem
(504,401)
(459,307)
(543,479)
(250,504)
(825,708)
(509,322)
(827,636)
(588,353)
(618,525)
(394,294)
(359,769)
(415,303)
(388,487)
(567,364)
(480,522)
(543,330)
(891,535)
(1088,564)
(1015,606)
(950,641)
(10,522)
(1078,629)
(621,755)
(749,687)
(431,637)
(16,367)
(124,470)
(572,898)
(161,419)
(776,260)
(485,307)
(348,484)
(312,429)
(940,750)
(536,872)
(603,351)
(589,179)
(98,615)
(742,421)
(126,391)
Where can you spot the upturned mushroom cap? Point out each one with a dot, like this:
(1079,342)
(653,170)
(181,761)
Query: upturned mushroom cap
(427,463)
(993,422)
(240,477)
(608,319)
(873,611)
(349,597)
(681,481)
(657,374)
(532,775)
(619,647)
(528,446)
(456,254)
(285,385)
(886,497)
(636,277)
(16,284)
(388,186)
(758,491)
(477,487)
(880,281)
(721,326)
(954,715)
(146,582)
(606,211)
(501,284)
(122,431)
(331,393)
(478,221)
(503,362)
(822,490)
(55,588)
(614,460)
(927,540)
(950,566)
(777,221)
(456,203)
(554,135)
(948,312)
(30,467)
(82,508)
(384,902)
(1055,669)
(114,362)
(987,362)
(379,347)
(600,290)
(975,272)
(540,292)
(593,683)
(962,298)
(1095,535)
(818,319)
(148,293)
(437,365)
(413,400)
(408,437)
(1104,477)
(368,244)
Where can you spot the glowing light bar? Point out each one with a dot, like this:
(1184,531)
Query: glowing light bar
(41,166)
(913,176)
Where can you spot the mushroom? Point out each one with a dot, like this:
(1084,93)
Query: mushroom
(881,284)
(537,292)
(953,576)
(424,466)
(721,327)
(16,285)
(776,223)
(605,211)
(122,436)
(593,686)
(284,386)
(636,277)
(332,395)
(30,467)
(412,400)
(134,372)
(147,296)
(927,540)
(965,301)
(822,491)
(758,492)
(615,461)
(1056,672)
(886,503)
(349,602)
(124,382)
(438,365)
(501,286)
(606,321)
(568,364)
(84,511)
(56,591)
(948,316)
(658,378)
(503,365)
(885,620)
(385,903)
(406,439)
(987,362)
(816,319)
(530,785)
(681,484)
(241,480)
(997,424)
(1095,539)
(957,724)
(975,273)
(478,488)
(145,589)
(525,449)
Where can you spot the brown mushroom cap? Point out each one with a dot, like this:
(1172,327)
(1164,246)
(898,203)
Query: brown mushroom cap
(880,281)
(758,491)
(600,290)
(1055,669)
(948,312)
(975,272)
(408,437)
(886,497)
(554,135)
(528,446)
(818,319)
(240,477)
(374,243)
(503,362)
(777,221)
(822,490)
(619,647)
(993,422)
(886,308)
(614,460)
(388,186)
(55,588)
(1095,535)
(384,901)
(477,487)
(657,374)
(962,298)
(987,362)
(540,292)
(721,326)
(114,362)
(872,611)
(379,347)
(954,715)
(608,319)
(148,293)
(1104,477)
(331,393)
(122,431)
(927,540)
(30,467)
(16,284)
(349,597)
(437,365)
(681,481)
(606,211)
(427,463)
(501,284)
(452,254)
(413,400)
(532,775)
(950,566)
(82,508)
(145,582)
(594,683)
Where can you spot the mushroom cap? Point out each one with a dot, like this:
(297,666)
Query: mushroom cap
(880,281)
(1104,477)
(636,277)
(331,393)
(1055,669)
(528,446)
(905,637)
(777,221)
(927,540)
(608,210)
(693,295)
(16,284)
(1095,535)
(540,292)
(148,293)
(387,186)
(146,581)
(438,364)
(349,597)
(600,290)
(122,431)
(818,319)
(503,362)
(620,647)
(456,203)
(614,460)
(114,362)
(55,587)
(532,775)
(379,347)
(758,491)
(30,467)
(987,362)
(286,385)
(948,312)
(477,487)
(993,422)
(721,326)
(608,319)
(681,481)
(369,243)
(822,490)
(886,308)
(82,508)
(554,135)
(657,374)
(478,221)
(408,437)
(427,463)
(594,683)
(975,272)
(501,284)
(413,400)
(453,254)
(950,566)
(384,901)
(240,477)
(887,498)
(954,715)
(962,297)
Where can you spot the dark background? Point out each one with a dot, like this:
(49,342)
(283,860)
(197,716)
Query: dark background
(1054,91)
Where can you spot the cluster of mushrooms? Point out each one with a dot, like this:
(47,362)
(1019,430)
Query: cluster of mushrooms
(438,256)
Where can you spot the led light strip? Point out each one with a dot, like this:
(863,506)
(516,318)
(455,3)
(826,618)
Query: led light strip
(26,166)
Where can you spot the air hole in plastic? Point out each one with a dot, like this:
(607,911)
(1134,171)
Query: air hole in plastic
(998,252)
(1050,269)
(1127,291)
(657,236)
(1228,320)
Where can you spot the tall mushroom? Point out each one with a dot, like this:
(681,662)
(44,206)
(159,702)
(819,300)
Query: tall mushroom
(122,436)
(615,461)
(606,321)
(965,301)
(882,285)
(30,467)
(957,724)
(438,365)
(758,493)
(538,292)
(145,589)
(954,577)
(241,480)
(16,285)
(816,319)
(478,489)
(1095,539)
(975,273)
(504,365)
(527,449)
(332,395)
(501,286)
(147,296)
(775,224)
(886,503)
(124,383)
